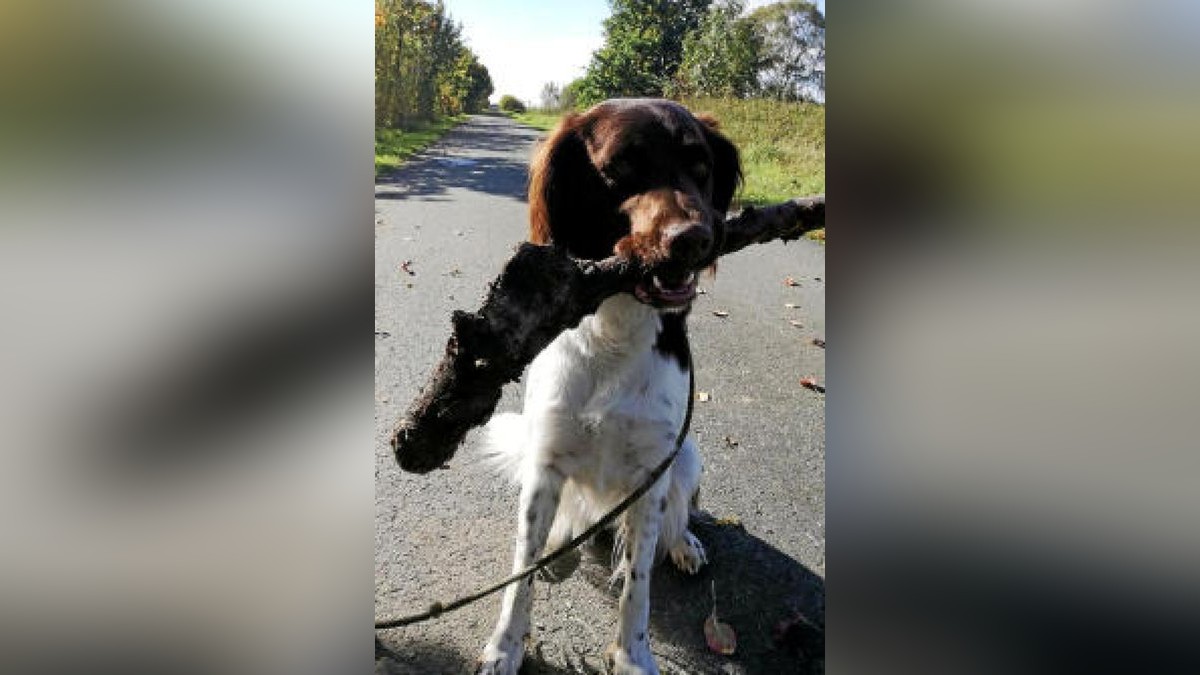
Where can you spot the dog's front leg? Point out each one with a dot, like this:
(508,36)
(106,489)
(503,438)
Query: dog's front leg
(630,655)
(538,504)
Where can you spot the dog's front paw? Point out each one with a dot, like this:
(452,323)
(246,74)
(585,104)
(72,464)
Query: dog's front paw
(497,661)
(619,661)
(688,555)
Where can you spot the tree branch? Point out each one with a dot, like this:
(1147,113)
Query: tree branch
(540,293)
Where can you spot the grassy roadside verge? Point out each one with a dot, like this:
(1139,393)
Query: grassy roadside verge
(782,145)
(537,119)
(393,146)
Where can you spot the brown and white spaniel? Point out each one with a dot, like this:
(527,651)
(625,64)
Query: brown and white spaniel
(606,400)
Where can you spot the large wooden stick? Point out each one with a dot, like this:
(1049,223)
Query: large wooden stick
(540,293)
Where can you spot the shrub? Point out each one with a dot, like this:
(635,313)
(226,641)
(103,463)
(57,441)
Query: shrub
(510,103)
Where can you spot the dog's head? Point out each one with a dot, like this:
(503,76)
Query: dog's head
(636,177)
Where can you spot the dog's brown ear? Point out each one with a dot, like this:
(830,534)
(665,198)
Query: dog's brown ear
(727,164)
(551,163)
(569,202)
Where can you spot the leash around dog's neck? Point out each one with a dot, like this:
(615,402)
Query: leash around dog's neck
(437,609)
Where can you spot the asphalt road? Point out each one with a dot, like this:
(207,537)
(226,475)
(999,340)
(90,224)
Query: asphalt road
(444,225)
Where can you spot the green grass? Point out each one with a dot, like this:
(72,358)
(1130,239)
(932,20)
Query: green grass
(537,119)
(782,145)
(393,146)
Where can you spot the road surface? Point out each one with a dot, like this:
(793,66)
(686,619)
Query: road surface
(444,225)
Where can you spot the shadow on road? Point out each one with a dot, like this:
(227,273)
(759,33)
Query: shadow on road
(483,158)
(432,175)
(758,587)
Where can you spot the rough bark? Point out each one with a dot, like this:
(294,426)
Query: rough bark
(540,293)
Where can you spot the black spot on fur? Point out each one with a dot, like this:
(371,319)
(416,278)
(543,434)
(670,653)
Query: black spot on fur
(662,505)
(672,339)
(531,516)
(641,637)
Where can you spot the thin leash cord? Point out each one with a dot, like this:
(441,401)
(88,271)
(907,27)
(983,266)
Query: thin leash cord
(437,609)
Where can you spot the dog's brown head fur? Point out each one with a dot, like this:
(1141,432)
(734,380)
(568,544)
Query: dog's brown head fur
(636,177)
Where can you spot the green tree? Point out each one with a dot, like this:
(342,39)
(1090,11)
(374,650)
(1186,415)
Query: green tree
(481,87)
(569,99)
(793,35)
(422,67)
(722,56)
(510,103)
(643,46)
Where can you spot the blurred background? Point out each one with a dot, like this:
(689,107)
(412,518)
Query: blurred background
(185,387)
(1012,446)
(185,378)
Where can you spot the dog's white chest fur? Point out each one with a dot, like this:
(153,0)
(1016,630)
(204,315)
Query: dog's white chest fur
(616,402)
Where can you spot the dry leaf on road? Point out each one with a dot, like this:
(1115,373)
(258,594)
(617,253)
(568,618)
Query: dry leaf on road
(718,634)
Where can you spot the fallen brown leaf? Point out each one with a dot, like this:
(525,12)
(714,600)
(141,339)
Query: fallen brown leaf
(718,634)
(406,266)
(810,383)
(791,282)
(731,442)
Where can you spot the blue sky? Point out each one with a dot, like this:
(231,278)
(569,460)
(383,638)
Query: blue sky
(526,43)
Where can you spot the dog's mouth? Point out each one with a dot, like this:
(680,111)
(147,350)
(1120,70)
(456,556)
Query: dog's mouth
(666,290)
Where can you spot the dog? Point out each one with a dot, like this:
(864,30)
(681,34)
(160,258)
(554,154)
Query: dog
(605,401)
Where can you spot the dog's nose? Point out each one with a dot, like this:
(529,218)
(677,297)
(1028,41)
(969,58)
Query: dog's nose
(689,244)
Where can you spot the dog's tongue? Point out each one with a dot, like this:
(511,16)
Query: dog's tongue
(672,292)
(676,291)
